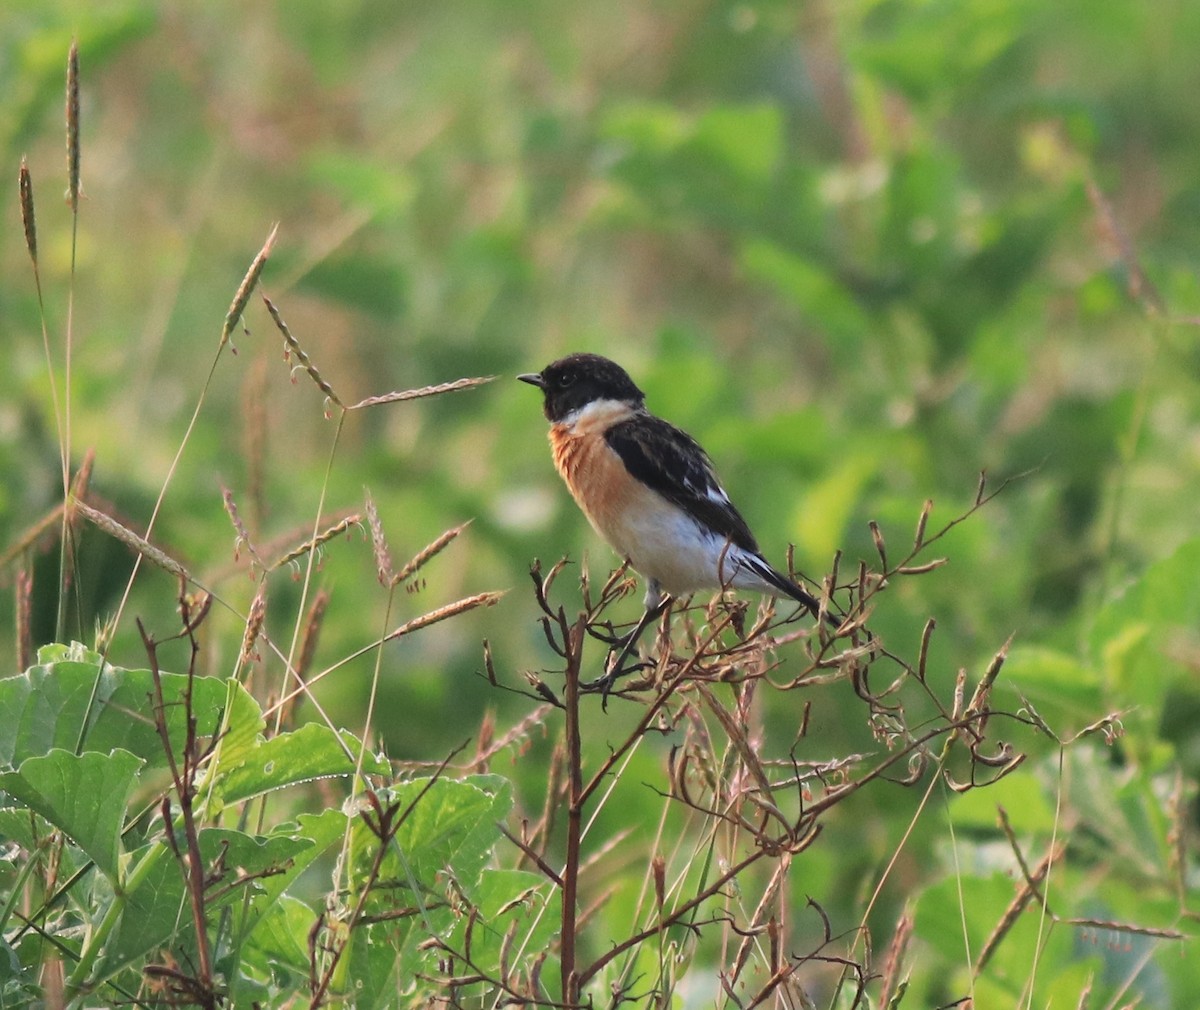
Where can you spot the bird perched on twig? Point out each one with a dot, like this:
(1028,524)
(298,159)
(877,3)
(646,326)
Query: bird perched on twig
(649,489)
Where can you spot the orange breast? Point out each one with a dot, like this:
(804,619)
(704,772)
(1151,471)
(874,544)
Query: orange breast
(596,477)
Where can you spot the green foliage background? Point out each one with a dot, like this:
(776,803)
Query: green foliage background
(848,245)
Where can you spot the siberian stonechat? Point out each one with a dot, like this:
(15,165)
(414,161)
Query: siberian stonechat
(649,489)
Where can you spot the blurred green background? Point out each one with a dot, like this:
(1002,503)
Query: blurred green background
(848,245)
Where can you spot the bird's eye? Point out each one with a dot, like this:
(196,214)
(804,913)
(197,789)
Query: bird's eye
(566,379)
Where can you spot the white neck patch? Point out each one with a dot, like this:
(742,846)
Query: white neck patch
(597,416)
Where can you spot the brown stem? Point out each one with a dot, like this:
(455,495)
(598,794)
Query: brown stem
(184,780)
(570,875)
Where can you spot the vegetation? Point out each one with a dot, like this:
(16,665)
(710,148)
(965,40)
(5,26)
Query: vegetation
(920,275)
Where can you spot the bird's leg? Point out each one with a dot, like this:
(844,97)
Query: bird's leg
(656,603)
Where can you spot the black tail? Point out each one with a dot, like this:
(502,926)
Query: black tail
(788,588)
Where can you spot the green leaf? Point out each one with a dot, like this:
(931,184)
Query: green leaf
(370,283)
(241,732)
(382,961)
(311,752)
(656,128)
(82,795)
(156,912)
(453,826)
(280,940)
(449,833)
(46,707)
(944,910)
(504,898)
(318,832)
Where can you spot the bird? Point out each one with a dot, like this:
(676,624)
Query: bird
(649,489)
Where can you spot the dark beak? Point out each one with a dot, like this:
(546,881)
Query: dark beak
(534,379)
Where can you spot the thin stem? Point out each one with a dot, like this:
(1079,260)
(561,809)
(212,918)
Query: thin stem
(576,799)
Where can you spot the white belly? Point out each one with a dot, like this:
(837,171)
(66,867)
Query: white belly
(671,549)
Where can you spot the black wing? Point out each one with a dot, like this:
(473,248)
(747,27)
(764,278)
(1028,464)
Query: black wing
(672,463)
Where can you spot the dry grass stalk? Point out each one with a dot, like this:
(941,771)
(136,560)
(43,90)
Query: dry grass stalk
(243,534)
(28,221)
(246,288)
(422,558)
(73,127)
(979,699)
(1178,819)
(312,633)
(442,613)
(1029,889)
(278,544)
(880,547)
(292,346)
(139,544)
(254,624)
(414,394)
(317,542)
(518,737)
(383,558)
(759,919)
(483,741)
(895,957)
(24,594)
(52,520)
(83,475)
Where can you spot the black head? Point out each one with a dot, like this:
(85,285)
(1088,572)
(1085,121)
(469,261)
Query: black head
(579,379)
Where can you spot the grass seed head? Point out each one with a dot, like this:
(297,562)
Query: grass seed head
(28,221)
(73,127)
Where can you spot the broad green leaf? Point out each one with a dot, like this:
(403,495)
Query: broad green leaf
(1121,808)
(157,911)
(944,910)
(374,284)
(46,707)
(382,962)
(311,752)
(20,984)
(83,795)
(317,832)
(454,826)
(504,897)
(241,732)
(279,942)
(653,127)
(382,190)
(449,834)
(153,911)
